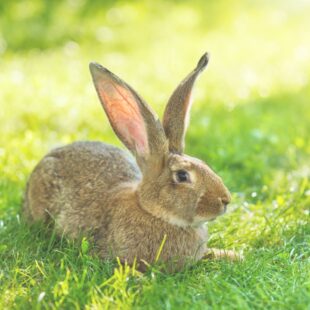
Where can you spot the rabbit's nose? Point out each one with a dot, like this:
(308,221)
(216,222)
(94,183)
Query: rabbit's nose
(225,200)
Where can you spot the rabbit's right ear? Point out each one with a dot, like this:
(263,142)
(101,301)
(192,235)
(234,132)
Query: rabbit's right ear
(131,118)
(176,114)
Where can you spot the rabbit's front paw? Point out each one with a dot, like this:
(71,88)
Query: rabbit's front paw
(223,254)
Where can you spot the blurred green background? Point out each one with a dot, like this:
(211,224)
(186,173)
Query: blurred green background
(259,54)
(250,120)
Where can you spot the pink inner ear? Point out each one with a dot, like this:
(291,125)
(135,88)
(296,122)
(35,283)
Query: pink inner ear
(124,114)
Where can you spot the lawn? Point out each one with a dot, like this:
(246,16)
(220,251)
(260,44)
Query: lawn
(250,122)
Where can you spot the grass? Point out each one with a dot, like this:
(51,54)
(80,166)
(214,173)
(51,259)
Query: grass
(250,122)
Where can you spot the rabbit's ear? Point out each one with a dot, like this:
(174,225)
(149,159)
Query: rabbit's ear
(130,117)
(176,114)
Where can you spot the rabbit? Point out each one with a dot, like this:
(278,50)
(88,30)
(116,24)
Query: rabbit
(143,210)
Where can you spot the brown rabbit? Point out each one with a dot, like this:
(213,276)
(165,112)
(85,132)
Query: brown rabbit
(132,209)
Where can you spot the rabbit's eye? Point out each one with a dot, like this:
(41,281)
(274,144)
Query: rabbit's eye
(182,176)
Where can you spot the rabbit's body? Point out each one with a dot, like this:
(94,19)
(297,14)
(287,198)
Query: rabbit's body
(132,209)
(89,188)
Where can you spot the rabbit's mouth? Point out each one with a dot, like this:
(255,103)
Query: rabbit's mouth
(225,209)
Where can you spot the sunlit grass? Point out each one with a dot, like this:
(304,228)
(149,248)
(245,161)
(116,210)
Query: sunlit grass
(250,122)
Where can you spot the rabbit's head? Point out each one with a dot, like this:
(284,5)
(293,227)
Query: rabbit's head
(175,187)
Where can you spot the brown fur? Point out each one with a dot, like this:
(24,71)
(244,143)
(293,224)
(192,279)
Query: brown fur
(97,189)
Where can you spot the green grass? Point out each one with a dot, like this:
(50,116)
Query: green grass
(250,122)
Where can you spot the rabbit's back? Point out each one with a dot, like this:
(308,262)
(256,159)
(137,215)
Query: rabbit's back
(72,184)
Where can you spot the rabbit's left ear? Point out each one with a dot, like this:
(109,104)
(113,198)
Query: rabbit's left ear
(177,110)
(136,125)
